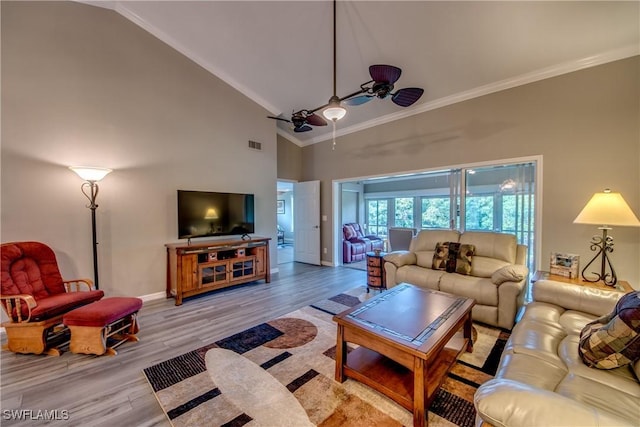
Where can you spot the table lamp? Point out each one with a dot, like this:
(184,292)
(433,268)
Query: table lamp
(605,209)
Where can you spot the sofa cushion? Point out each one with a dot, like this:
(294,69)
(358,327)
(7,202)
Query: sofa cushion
(500,246)
(61,303)
(419,276)
(426,240)
(485,267)
(614,340)
(480,289)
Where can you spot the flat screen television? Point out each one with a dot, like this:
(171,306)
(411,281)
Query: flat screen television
(205,213)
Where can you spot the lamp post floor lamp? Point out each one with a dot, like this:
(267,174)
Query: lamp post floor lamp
(90,189)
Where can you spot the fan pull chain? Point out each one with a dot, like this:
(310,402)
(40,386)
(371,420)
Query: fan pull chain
(333,147)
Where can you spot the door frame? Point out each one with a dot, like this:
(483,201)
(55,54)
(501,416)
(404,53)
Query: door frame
(336,198)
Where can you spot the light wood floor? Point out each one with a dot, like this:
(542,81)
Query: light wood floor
(112,391)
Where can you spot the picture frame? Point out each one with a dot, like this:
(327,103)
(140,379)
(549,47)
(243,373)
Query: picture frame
(280,206)
(564,264)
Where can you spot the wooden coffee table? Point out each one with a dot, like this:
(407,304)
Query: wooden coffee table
(409,338)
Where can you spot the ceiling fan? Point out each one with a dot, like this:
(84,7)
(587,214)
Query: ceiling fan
(303,120)
(381,85)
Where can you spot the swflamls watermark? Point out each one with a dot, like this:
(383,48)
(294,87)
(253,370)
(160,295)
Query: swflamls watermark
(35,414)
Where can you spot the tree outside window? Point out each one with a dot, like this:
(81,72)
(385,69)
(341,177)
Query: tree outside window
(435,212)
(479,213)
(404,212)
(377,217)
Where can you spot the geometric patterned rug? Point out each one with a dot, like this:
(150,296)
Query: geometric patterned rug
(282,373)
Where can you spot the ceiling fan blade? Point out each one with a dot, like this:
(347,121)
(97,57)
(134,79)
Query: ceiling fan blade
(407,96)
(279,118)
(303,128)
(358,100)
(316,120)
(385,73)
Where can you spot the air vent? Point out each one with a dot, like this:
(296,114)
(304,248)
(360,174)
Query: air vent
(255,145)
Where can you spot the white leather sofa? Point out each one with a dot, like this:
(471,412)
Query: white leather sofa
(497,278)
(541,379)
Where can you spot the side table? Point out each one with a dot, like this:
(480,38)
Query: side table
(375,270)
(621,285)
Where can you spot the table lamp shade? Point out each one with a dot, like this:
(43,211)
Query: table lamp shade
(607,208)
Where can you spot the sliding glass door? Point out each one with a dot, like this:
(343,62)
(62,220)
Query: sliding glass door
(497,198)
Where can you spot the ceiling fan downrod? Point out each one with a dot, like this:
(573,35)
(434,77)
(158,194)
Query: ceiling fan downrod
(334,110)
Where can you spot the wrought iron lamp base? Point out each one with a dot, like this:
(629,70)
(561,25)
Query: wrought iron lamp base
(603,245)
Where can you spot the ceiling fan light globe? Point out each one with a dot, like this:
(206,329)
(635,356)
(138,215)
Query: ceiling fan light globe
(334,113)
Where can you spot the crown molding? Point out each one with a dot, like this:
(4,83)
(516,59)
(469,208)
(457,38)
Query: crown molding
(534,76)
(544,73)
(289,137)
(121,8)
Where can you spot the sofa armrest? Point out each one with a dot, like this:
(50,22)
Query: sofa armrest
(77,284)
(502,402)
(576,297)
(509,273)
(400,258)
(13,306)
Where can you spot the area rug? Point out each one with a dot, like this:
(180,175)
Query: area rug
(281,373)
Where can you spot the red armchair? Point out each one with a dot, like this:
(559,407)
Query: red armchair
(355,244)
(35,297)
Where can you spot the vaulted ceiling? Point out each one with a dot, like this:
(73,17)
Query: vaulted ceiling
(280,54)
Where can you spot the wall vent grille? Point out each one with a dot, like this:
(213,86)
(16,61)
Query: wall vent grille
(255,145)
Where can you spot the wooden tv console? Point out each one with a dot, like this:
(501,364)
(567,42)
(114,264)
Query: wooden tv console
(201,267)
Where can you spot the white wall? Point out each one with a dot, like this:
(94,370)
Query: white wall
(83,86)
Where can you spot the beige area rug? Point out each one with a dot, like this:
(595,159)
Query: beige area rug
(281,373)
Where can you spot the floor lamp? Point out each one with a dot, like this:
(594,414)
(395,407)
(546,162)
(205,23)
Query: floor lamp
(90,189)
(605,209)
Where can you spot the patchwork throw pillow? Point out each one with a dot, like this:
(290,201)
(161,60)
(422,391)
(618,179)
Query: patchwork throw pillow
(613,340)
(440,256)
(453,257)
(464,258)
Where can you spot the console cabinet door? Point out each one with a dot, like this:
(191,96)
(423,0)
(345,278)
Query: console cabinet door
(261,252)
(187,273)
(213,274)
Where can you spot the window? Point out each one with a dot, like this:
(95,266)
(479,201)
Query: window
(403,212)
(435,212)
(490,198)
(479,213)
(377,215)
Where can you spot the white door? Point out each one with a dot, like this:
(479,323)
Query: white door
(306,222)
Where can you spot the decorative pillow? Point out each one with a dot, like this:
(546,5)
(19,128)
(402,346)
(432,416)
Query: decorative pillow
(613,340)
(349,232)
(453,257)
(440,256)
(464,257)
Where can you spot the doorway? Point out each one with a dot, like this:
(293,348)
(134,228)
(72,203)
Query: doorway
(284,220)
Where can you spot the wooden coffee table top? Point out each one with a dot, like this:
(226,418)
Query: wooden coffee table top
(408,315)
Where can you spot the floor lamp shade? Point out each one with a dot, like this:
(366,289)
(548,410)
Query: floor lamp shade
(605,209)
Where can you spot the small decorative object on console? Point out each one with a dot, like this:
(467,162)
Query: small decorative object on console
(564,264)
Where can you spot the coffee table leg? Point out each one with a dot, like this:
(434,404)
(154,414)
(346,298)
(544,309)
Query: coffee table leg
(341,351)
(419,419)
(468,333)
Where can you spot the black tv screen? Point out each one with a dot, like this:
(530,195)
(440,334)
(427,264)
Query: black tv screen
(203,213)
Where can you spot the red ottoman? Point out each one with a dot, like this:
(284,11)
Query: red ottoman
(92,324)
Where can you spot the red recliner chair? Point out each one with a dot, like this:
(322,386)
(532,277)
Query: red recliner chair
(35,297)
